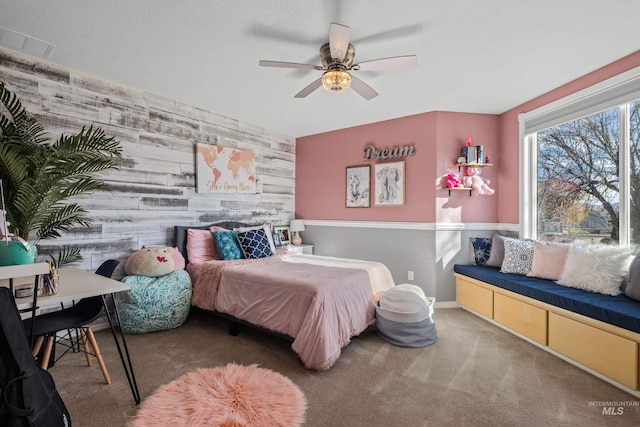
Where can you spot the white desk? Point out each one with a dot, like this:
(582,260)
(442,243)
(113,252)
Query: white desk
(75,284)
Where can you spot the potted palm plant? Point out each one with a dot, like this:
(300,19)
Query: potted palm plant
(39,178)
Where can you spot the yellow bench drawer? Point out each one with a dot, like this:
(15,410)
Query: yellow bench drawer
(475,298)
(521,317)
(604,352)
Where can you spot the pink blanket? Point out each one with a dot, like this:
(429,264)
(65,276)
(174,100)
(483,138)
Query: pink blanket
(319,301)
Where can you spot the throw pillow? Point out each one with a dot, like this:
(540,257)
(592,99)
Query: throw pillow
(518,255)
(267,232)
(200,246)
(154,262)
(481,249)
(595,268)
(633,281)
(254,244)
(497,251)
(227,245)
(548,260)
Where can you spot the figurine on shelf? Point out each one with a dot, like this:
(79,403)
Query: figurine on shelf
(476,182)
(468,140)
(486,160)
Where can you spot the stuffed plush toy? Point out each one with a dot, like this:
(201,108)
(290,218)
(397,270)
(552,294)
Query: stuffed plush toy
(476,182)
(154,262)
(452,181)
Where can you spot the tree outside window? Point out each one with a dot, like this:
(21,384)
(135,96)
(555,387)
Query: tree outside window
(579,178)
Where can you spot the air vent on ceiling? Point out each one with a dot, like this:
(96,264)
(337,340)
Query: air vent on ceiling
(25,44)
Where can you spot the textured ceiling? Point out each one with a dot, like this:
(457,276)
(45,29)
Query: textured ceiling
(482,56)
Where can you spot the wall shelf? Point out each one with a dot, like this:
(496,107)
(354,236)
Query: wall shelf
(461,188)
(473,165)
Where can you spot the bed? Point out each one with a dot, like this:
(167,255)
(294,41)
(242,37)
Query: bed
(319,302)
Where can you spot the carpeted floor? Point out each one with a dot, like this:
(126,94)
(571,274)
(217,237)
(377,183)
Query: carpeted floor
(476,374)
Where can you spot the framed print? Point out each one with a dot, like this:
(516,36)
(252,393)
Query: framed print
(358,186)
(276,240)
(283,233)
(225,170)
(389,184)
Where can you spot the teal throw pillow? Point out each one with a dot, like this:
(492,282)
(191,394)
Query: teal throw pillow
(227,245)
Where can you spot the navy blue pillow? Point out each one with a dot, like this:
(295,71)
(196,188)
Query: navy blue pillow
(227,245)
(481,249)
(254,244)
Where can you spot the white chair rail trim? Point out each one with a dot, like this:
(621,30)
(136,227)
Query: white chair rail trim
(429,226)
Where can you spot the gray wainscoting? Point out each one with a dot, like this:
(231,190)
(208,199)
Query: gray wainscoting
(154,188)
(429,250)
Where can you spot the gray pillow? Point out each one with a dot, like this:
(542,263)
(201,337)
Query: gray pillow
(497,251)
(633,282)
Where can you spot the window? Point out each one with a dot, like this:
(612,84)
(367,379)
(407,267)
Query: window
(580,165)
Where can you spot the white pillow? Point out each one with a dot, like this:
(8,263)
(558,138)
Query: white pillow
(596,268)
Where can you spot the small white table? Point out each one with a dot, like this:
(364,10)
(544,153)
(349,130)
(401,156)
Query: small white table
(302,248)
(75,284)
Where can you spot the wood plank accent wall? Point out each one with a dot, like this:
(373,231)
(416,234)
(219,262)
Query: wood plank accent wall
(154,187)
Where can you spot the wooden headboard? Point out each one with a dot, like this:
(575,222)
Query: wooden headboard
(180,233)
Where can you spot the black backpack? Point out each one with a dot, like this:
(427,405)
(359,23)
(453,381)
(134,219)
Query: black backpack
(28,395)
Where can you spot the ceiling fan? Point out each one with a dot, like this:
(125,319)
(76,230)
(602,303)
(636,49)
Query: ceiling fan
(337,61)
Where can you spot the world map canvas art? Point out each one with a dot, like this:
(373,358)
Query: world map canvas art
(225,170)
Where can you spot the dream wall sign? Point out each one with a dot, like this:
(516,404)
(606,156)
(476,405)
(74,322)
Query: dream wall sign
(225,170)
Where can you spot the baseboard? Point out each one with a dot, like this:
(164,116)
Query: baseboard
(446,304)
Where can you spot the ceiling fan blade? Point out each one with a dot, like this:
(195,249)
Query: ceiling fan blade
(387,35)
(393,63)
(281,64)
(283,35)
(363,89)
(339,40)
(307,90)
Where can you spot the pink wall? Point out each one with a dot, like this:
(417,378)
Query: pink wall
(321,161)
(509,132)
(437,137)
(452,130)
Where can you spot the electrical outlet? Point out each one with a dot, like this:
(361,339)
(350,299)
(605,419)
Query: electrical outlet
(410,275)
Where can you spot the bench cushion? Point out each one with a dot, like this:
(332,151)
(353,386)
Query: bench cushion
(616,310)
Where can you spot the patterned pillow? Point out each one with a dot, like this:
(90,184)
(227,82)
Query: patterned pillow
(518,256)
(267,231)
(254,244)
(481,249)
(227,245)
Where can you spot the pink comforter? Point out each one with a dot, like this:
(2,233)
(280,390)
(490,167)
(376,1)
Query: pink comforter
(319,301)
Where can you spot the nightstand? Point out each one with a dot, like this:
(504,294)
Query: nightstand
(303,248)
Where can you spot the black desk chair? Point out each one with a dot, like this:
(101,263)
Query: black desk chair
(76,317)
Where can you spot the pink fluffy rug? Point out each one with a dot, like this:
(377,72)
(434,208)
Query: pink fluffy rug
(229,396)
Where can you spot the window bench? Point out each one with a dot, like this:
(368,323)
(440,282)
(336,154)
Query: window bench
(596,332)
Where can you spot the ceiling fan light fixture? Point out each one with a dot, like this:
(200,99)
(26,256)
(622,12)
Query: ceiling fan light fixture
(336,80)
